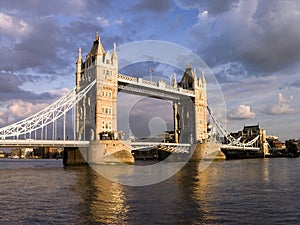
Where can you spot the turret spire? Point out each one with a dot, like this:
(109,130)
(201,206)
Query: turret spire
(97,38)
(203,78)
(194,77)
(114,54)
(97,48)
(174,81)
(78,67)
(79,57)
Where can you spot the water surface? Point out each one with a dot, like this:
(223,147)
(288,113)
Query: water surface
(256,191)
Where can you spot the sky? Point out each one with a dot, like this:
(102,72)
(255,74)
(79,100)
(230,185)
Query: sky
(252,47)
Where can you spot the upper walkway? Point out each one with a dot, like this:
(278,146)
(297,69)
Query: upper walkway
(160,89)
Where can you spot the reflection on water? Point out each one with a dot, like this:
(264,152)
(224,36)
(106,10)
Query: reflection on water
(263,191)
(103,201)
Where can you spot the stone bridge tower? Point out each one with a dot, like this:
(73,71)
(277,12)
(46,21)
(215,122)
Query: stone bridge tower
(97,112)
(192,112)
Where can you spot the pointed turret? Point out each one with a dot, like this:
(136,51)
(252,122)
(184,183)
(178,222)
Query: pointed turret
(79,57)
(78,67)
(107,57)
(97,48)
(194,78)
(97,37)
(203,80)
(114,54)
(174,81)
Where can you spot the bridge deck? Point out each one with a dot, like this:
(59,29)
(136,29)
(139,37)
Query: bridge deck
(239,147)
(71,143)
(42,143)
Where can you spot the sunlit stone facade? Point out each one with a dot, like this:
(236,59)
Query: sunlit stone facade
(97,112)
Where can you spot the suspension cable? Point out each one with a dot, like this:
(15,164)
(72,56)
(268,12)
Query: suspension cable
(232,140)
(46,116)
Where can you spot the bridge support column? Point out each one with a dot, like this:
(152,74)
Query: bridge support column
(109,151)
(198,152)
(99,152)
(207,150)
(74,156)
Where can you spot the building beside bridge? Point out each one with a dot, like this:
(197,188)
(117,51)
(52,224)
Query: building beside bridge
(249,133)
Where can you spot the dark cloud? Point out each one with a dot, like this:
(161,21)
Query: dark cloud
(80,34)
(214,7)
(141,69)
(144,111)
(43,37)
(10,88)
(157,6)
(230,72)
(39,50)
(296,83)
(29,8)
(264,38)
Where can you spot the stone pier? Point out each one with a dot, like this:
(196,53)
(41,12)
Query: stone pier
(99,152)
(207,151)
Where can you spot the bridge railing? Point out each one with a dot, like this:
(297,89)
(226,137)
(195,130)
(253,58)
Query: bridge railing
(127,78)
(161,84)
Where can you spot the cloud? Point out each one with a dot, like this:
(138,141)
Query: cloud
(157,6)
(105,22)
(230,72)
(56,7)
(144,110)
(296,83)
(3,118)
(59,92)
(22,109)
(241,112)
(261,37)
(11,88)
(214,7)
(38,51)
(19,109)
(282,107)
(12,26)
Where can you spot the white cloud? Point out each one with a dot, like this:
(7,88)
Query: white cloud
(11,25)
(21,109)
(242,112)
(59,92)
(282,107)
(203,14)
(104,22)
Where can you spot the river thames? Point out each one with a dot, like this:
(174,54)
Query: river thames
(256,191)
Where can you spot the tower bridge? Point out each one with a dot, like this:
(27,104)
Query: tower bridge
(93,102)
